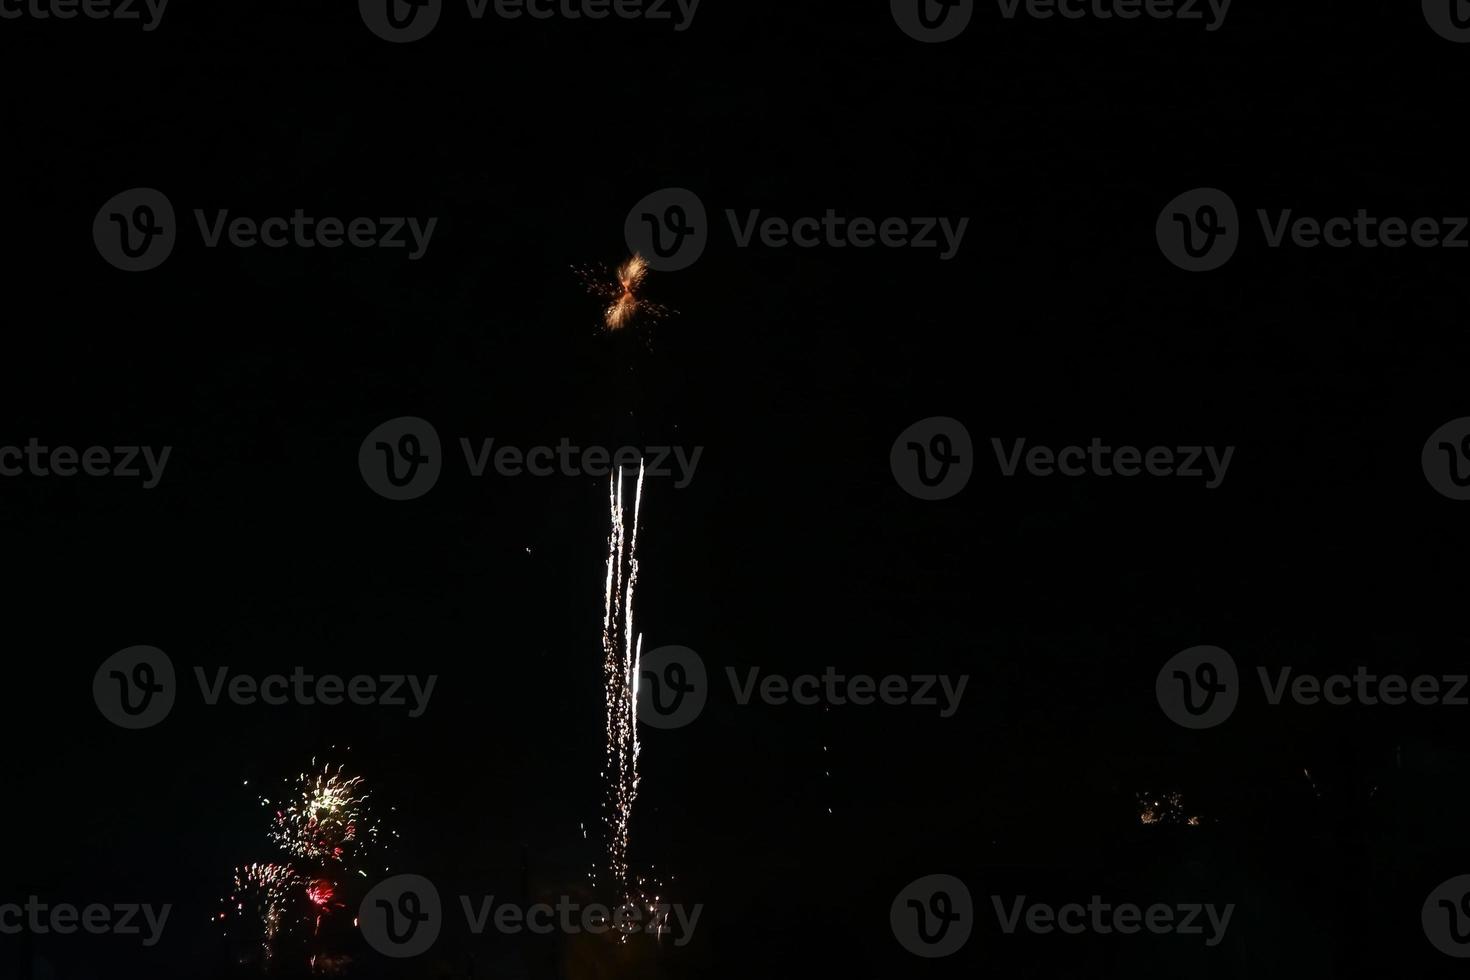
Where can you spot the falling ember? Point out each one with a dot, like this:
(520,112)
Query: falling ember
(626,304)
(621,652)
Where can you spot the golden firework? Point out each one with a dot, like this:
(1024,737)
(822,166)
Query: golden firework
(625,302)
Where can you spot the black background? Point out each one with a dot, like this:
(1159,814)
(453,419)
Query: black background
(793,548)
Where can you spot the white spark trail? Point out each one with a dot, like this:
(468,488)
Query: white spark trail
(622,651)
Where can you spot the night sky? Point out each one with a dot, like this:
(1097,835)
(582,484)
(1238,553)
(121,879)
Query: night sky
(793,548)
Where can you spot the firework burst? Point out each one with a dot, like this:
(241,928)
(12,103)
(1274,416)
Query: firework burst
(1165,808)
(326,819)
(269,894)
(623,293)
(323,824)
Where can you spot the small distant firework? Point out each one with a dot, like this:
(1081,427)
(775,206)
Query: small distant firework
(1351,791)
(323,824)
(622,292)
(1313,783)
(1165,808)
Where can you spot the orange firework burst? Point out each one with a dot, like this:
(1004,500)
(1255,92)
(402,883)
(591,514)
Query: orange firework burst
(626,305)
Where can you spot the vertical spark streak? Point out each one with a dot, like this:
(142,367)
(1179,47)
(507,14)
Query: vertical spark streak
(622,651)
